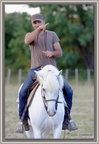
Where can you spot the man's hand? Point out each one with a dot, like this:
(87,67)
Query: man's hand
(43,27)
(48,53)
(57,52)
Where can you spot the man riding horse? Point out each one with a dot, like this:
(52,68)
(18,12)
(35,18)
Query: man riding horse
(45,47)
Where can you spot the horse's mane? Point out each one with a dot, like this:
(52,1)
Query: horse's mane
(51,81)
(51,78)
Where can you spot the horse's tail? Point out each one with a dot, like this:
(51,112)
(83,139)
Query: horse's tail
(29,133)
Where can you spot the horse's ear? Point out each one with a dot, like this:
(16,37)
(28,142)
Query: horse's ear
(60,72)
(39,76)
(38,73)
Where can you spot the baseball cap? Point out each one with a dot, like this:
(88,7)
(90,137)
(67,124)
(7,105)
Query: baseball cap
(38,17)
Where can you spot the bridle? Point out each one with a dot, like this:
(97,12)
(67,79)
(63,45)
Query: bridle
(45,100)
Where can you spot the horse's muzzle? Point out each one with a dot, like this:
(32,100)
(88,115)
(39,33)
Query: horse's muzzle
(51,114)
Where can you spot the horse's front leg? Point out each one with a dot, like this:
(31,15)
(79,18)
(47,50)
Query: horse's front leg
(37,133)
(57,131)
(29,133)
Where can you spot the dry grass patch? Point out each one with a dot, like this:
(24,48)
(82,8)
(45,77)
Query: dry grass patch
(82,112)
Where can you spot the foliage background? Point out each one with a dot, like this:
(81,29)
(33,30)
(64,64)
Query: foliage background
(74,25)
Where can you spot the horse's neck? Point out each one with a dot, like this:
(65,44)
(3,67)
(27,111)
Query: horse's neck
(61,97)
(38,92)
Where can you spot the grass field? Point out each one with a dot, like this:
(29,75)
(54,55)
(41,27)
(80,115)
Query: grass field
(82,112)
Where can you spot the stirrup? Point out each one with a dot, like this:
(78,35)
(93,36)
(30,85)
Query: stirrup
(71,125)
(19,128)
(26,125)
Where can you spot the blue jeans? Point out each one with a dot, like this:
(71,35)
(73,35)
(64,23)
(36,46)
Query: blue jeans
(68,95)
(24,91)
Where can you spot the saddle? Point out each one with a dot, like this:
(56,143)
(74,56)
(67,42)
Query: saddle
(30,96)
(31,92)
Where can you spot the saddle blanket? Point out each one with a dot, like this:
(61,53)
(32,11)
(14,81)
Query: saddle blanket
(31,92)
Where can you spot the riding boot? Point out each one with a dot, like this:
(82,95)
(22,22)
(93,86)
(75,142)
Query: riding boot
(68,122)
(22,126)
(66,119)
(26,125)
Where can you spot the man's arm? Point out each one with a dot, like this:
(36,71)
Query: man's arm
(56,53)
(29,37)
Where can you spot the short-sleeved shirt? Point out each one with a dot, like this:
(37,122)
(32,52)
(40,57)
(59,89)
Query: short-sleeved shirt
(43,42)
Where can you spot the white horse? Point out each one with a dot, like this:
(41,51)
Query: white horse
(46,111)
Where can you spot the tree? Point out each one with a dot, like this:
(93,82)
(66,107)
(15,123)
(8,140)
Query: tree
(74,24)
(10,28)
(19,52)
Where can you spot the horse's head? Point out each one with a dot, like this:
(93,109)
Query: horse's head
(51,83)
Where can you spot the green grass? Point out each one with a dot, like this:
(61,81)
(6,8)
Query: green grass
(82,112)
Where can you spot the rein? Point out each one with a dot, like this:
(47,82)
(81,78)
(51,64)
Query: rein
(49,100)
